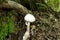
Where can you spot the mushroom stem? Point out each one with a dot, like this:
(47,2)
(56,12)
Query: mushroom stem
(27,33)
(28,26)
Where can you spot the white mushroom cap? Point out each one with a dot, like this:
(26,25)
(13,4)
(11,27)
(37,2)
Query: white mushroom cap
(29,18)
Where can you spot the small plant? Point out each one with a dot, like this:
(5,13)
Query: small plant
(6,25)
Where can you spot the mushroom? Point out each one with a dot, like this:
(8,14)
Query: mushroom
(28,18)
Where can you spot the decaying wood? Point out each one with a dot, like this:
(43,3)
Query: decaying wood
(14,6)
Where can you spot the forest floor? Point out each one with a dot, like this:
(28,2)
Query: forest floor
(46,27)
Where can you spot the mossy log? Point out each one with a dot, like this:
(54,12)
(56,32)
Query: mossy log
(11,5)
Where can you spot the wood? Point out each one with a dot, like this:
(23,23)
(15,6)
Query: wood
(14,6)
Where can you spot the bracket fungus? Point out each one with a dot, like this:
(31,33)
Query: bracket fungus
(28,18)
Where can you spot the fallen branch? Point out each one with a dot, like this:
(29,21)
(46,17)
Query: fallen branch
(14,6)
